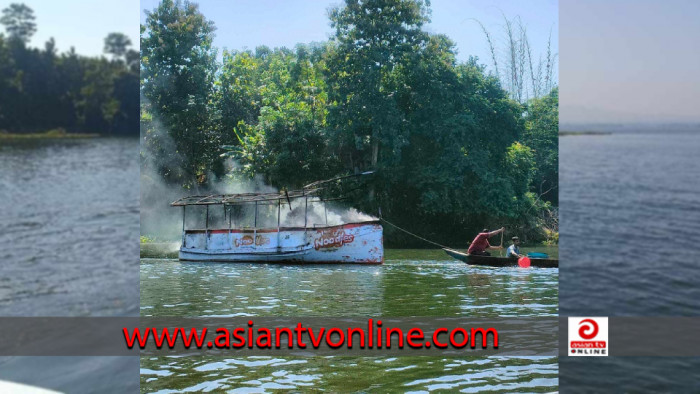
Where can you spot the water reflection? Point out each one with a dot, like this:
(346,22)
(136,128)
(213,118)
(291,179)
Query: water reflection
(345,374)
(398,288)
(69,225)
(411,283)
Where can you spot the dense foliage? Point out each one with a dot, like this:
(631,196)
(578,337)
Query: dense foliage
(43,90)
(177,81)
(452,151)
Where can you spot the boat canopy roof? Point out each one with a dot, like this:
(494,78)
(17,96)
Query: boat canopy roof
(243,198)
(312,190)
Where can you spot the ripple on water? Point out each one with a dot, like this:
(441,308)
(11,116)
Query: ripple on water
(627,202)
(69,224)
(398,288)
(443,289)
(358,374)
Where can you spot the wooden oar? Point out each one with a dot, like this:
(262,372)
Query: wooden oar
(500,252)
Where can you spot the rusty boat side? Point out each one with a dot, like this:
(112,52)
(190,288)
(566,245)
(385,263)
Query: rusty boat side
(358,242)
(353,243)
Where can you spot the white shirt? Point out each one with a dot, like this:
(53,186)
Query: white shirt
(512,251)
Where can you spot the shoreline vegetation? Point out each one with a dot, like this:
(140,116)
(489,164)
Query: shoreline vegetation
(454,146)
(565,133)
(52,95)
(51,134)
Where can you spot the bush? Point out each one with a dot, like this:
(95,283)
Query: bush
(57,132)
(552,237)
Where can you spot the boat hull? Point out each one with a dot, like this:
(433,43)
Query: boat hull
(353,243)
(493,261)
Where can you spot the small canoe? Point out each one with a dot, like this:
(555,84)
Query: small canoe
(493,261)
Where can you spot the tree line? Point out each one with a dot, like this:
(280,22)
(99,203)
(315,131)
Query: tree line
(43,90)
(453,152)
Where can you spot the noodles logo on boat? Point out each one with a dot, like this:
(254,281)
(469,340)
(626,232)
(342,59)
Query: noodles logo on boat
(247,240)
(588,336)
(333,239)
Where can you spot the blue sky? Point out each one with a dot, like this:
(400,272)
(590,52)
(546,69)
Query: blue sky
(82,23)
(622,60)
(629,61)
(250,23)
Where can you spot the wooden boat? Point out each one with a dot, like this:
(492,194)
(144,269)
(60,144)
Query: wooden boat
(345,243)
(356,242)
(493,261)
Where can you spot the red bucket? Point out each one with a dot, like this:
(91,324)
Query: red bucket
(524,262)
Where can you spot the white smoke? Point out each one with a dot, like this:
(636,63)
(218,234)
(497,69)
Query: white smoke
(162,222)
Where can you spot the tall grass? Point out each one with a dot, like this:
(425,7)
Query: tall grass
(523,74)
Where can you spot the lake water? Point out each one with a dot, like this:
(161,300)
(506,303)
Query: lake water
(410,283)
(629,203)
(630,227)
(69,225)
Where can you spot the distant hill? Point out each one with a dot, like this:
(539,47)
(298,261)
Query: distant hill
(576,117)
(597,128)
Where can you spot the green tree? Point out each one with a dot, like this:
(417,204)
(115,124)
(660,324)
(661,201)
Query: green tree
(71,92)
(452,150)
(19,22)
(177,78)
(97,106)
(451,173)
(7,83)
(238,96)
(372,40)
(442,135)
(117,44)
(275,103)
(542,135)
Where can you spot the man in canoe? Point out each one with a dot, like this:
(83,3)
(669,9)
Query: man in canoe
(481,243)
(513,250)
